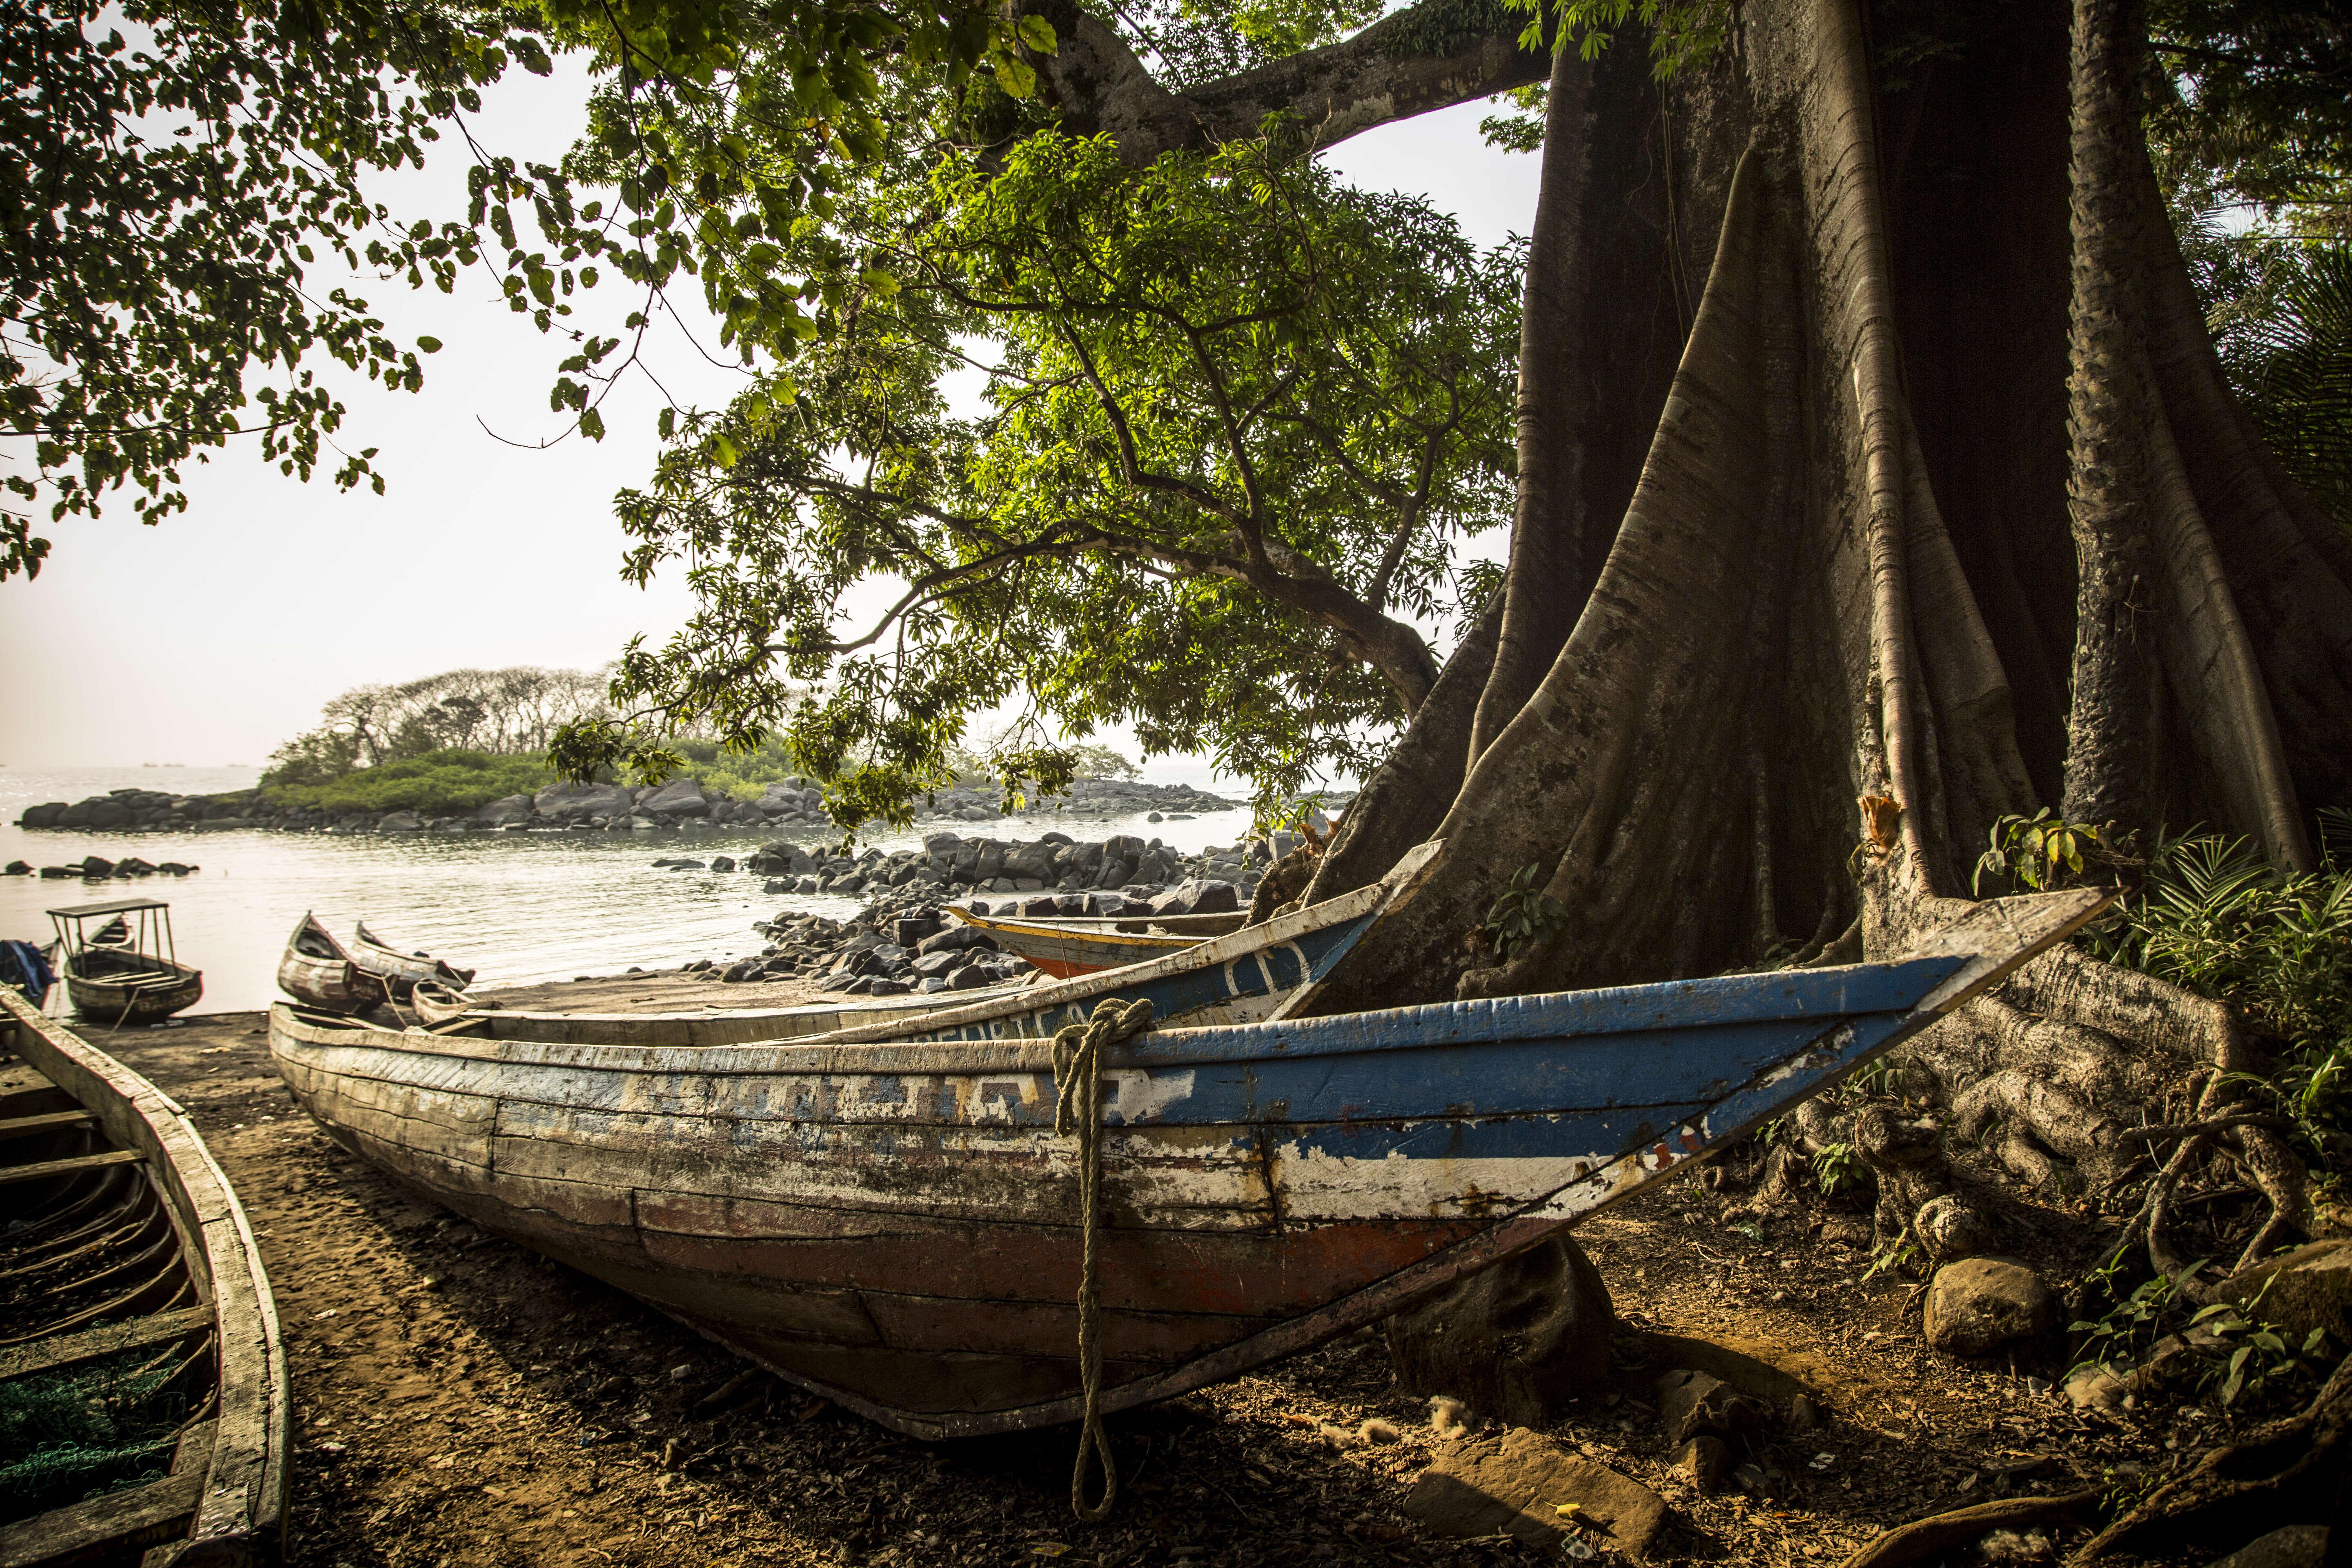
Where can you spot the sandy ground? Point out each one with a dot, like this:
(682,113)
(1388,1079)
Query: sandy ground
(460,1402)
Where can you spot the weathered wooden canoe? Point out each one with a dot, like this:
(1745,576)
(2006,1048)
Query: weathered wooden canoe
(1250,974)
(1064,947)
(317,972)
(400,970)
(127,1273)
(123,973)
(435,1003)
(895,1225)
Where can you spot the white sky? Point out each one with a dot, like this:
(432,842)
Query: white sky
(215,636)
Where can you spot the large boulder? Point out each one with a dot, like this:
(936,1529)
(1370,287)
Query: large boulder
(506,809)
(99,811)
(2296,1546)
(679,797)
(1982,1303)
(1514,1341)
(567,802)
(46,815)
(2310,1287)
(1523,1485)
(400,822)
(1194,896)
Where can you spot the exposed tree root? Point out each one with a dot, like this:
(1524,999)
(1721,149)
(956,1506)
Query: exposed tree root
(2288,1471)
(1932,1537)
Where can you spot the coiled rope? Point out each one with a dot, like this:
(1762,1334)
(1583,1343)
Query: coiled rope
(1078,1051)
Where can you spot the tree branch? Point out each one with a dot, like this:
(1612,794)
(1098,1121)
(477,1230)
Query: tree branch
(1429,56)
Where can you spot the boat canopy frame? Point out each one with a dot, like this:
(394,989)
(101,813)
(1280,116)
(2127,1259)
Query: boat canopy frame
(150,933)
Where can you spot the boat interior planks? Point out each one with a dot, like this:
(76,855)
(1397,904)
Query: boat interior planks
(895,1222)
(142,1268)
(1065,949)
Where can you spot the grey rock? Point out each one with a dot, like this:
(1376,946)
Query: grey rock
(400,822)
(45,816)
(1195,897)
(1514,1342)
(506,809)
(970,977)
(2296,1546)
(571,802)
(18,868)
(1982,1303)
(1951,1228)
(1697,1404)
(679,797)
(1515,1485)
(722,863)
(2310,1287)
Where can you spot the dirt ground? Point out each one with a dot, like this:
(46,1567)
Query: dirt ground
(460,1402)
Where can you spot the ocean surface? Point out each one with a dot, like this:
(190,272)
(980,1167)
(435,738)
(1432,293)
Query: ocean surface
(521,908)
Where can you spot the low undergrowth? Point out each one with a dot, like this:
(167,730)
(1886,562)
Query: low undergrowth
(437,783)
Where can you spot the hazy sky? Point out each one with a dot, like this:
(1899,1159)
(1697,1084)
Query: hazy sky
(215,636)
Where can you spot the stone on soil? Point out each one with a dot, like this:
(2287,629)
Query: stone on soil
(2310,1287)
(1512,1342)
(2297,1546)
(1695,1403)
(1518,1483)
(1982,1303)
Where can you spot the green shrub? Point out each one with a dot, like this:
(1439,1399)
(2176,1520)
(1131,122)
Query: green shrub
(438,784)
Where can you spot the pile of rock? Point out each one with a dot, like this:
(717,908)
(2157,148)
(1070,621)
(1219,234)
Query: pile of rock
(874,956)
(1053,874)
(97,869)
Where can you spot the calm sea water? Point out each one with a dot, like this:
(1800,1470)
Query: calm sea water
(519,907)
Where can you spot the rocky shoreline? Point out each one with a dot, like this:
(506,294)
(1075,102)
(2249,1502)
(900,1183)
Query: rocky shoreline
(904,940)
(679,804)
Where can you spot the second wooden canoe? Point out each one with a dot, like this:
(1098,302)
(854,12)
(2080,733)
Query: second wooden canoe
(129,1275)
(316,972)
(400,970)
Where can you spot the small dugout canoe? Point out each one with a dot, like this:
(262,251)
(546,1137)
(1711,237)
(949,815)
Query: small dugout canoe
(1065,948)
(400,972)
(316,972)
(892,1223)
(131,1289)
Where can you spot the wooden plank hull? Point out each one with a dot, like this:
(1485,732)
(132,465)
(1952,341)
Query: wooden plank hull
(894,1223)
(316,972)
(178,1273)
(118,997)
(1064,950)
(399,971)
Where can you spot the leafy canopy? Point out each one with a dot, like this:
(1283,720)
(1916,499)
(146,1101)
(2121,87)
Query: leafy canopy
(171,175)
(1229,416)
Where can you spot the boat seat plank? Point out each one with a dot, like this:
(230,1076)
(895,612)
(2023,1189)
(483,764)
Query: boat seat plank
(140,1516)
(25,1126)
(23,1361)
(44,1169)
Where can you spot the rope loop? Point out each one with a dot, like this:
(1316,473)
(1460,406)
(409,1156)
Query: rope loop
(1078,1050)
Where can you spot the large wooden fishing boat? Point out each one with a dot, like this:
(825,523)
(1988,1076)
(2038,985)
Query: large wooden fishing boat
(896,1224)
(1252,973)
(400,970)
(128,970)
(316,972)
(130,1278)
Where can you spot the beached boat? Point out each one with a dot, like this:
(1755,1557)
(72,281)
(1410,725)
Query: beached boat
(896,1224)
(400,970)
(1252,973)
(132,1306)
(316,972)
(435,1003)
(1068,946)
(129,970)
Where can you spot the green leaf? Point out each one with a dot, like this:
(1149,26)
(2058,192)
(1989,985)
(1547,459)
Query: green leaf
(1016,77)
(1038,34)
(429,345)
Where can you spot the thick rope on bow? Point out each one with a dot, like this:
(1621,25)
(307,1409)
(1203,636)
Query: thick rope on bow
(1077,1109)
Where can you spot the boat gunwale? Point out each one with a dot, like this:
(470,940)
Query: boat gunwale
(247,1471)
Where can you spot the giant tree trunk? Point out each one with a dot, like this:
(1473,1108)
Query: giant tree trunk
(1936,497)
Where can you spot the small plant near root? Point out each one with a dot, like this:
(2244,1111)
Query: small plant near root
(1523,914)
